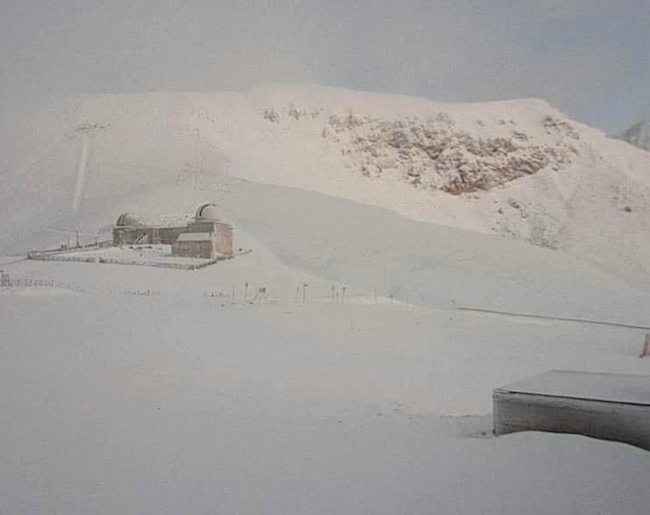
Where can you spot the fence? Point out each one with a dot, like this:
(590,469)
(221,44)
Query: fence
(558,318)
(61,256)
(8,282)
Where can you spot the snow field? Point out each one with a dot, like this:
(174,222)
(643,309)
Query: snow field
(164,405)
(143,390)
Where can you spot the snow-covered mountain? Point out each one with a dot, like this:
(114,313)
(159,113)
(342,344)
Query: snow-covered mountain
(519,169)
(360,382)
(638,135)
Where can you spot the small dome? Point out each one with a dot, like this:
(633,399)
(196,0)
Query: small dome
(127,220)
(207,212)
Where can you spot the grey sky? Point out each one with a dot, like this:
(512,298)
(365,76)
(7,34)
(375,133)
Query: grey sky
(587,57)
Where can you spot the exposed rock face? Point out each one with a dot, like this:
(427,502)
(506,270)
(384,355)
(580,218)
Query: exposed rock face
(638,135)
(433,152)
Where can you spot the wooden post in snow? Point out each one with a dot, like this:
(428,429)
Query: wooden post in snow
(646,347)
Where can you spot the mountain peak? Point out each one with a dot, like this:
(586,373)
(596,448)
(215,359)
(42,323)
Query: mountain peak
(638,135)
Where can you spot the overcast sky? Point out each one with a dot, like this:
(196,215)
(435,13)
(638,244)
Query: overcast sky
(587,57)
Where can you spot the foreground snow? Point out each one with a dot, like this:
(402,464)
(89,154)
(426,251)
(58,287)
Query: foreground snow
(122,404)
(193,399)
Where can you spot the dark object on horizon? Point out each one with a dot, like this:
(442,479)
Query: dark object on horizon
(638,135)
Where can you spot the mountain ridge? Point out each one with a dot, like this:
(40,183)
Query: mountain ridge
(518,169)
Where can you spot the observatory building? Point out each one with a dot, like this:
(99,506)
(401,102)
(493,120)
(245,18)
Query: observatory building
(133,230)
(205,236)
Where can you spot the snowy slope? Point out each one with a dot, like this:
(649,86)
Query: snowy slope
(518,169)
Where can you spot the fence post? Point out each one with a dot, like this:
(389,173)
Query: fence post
(646,347)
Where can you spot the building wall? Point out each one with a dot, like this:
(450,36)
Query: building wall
(169,235)
(621,422)
(195,249)
(221,231)
(224,239)
(129,235)
(202,226)
(146,235)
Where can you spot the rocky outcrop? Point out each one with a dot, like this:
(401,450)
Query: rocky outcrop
(434,153)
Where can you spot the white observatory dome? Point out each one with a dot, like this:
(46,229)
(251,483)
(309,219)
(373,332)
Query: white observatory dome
(127,220)
(207,212)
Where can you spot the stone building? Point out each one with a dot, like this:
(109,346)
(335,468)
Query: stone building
(131,230)
(205,236)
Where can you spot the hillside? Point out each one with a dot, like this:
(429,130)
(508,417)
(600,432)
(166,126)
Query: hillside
(517,169)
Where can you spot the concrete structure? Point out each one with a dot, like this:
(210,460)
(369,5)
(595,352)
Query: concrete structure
(129,230)
(206,236)
(206,222)
(196,244)
(605,406)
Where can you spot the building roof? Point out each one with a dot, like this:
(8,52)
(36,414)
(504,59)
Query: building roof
(127,220)
(621,388)
(152,220)
(194,236)
(207,212)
